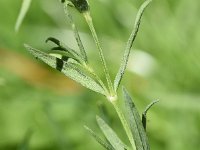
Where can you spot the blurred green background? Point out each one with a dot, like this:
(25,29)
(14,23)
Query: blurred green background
(43,107)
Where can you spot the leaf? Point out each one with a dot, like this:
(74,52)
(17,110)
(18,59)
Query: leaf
(59,53)
(144,114)
(65,50)
(24,9)
(105,144)
(129,45)
(110,135)
(103,111)
(69,69)
(135,123)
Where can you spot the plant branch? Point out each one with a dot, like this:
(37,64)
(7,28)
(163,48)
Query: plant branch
(92,29)
(76,34)
(124,123)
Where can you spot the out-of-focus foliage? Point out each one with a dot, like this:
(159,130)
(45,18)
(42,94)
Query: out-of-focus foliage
(33,97)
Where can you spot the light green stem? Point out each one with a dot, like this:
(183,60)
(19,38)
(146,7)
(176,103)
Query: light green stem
(76,34)
(91,26)
(124,123)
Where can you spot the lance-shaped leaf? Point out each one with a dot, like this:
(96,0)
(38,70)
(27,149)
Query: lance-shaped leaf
(105,144)
(24,9)
(135,123)
(110,135)
(129,45)
(69,69)
(64,50)
(144,114)
(59,53)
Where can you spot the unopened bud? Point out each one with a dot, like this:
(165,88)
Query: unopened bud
(80,5)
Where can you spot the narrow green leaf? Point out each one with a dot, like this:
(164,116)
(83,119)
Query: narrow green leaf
(59,53)
(129,45)
(144,114)
(103,111)
(65,50)
(69,69)
(135,123)
(110,135)
(24,9)
(54,40)
(105,144)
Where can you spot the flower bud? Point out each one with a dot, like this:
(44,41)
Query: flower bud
(80,5)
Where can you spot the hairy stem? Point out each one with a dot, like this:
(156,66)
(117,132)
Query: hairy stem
(76,34)
(91,26)
(124,123)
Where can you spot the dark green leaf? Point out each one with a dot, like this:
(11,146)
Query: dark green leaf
(64,50)
(71,70)
(137,129)
(144,114)
(110,135)
(54,40)
(61,54)
(105,144)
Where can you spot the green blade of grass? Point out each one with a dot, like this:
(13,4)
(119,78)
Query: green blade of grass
(24,9)
(110,134)
(129,45)
(135,123)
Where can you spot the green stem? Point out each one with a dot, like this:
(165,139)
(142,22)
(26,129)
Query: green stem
(76,34)
(124,123)
(91,26)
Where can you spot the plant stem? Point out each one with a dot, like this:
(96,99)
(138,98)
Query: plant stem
(124,123)
(76,34)
(92,29)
